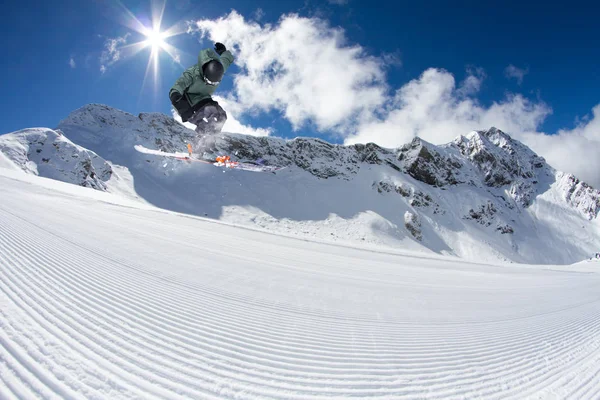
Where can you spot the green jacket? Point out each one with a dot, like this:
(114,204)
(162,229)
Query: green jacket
(192,79)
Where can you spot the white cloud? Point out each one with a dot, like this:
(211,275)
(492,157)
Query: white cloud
(576,151)
(305,69)
(112,51)
(338,2)
(392,59)
(301,67)
(472,83)
(72,62)
(435,109)
(259,14)
(517,73)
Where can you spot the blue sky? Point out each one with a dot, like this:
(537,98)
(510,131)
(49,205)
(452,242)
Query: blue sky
(530,67)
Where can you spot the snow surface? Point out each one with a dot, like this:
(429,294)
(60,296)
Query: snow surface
(103,296)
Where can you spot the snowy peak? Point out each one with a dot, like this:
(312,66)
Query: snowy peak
(501,159)
(502,162)
(50,154)
(109,131)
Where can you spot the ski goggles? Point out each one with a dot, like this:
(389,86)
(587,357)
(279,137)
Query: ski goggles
(208,82)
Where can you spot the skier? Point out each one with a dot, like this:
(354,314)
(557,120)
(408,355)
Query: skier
(191,93)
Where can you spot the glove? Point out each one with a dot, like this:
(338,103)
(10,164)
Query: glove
(220,48)
(175,97)
(182,106)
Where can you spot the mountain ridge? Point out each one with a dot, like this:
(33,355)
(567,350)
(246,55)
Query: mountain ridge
(419,195)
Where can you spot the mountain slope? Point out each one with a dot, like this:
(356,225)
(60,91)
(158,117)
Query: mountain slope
(105,299)
(483,196)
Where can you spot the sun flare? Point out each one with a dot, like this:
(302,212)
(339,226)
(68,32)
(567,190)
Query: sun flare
(155,39)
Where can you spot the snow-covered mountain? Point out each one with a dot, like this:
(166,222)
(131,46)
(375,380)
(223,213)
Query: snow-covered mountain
(482,196)
(50,154)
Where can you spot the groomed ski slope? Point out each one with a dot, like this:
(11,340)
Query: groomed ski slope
(104,298)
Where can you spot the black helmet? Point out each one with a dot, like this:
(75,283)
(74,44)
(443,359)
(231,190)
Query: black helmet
(213,72)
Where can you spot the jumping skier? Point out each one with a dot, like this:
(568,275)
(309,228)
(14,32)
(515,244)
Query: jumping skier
(191,93)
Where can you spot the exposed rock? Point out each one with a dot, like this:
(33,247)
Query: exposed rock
(580,195)
(425,164)
(388,187)
(421,199)
(412,222)
(503,161)
(483,215)
(504,229)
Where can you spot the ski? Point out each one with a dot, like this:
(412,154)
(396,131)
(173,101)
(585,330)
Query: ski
(221,161)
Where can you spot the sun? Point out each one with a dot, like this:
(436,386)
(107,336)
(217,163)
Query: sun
(155,39)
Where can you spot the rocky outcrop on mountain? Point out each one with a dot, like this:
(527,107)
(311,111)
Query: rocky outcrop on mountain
(580,195)
(423,162)
(483,215)
(489,215)
(503,162)
(315,156)
(415,197)
(389,187)
(412,222)
(499,158)
(48,153)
